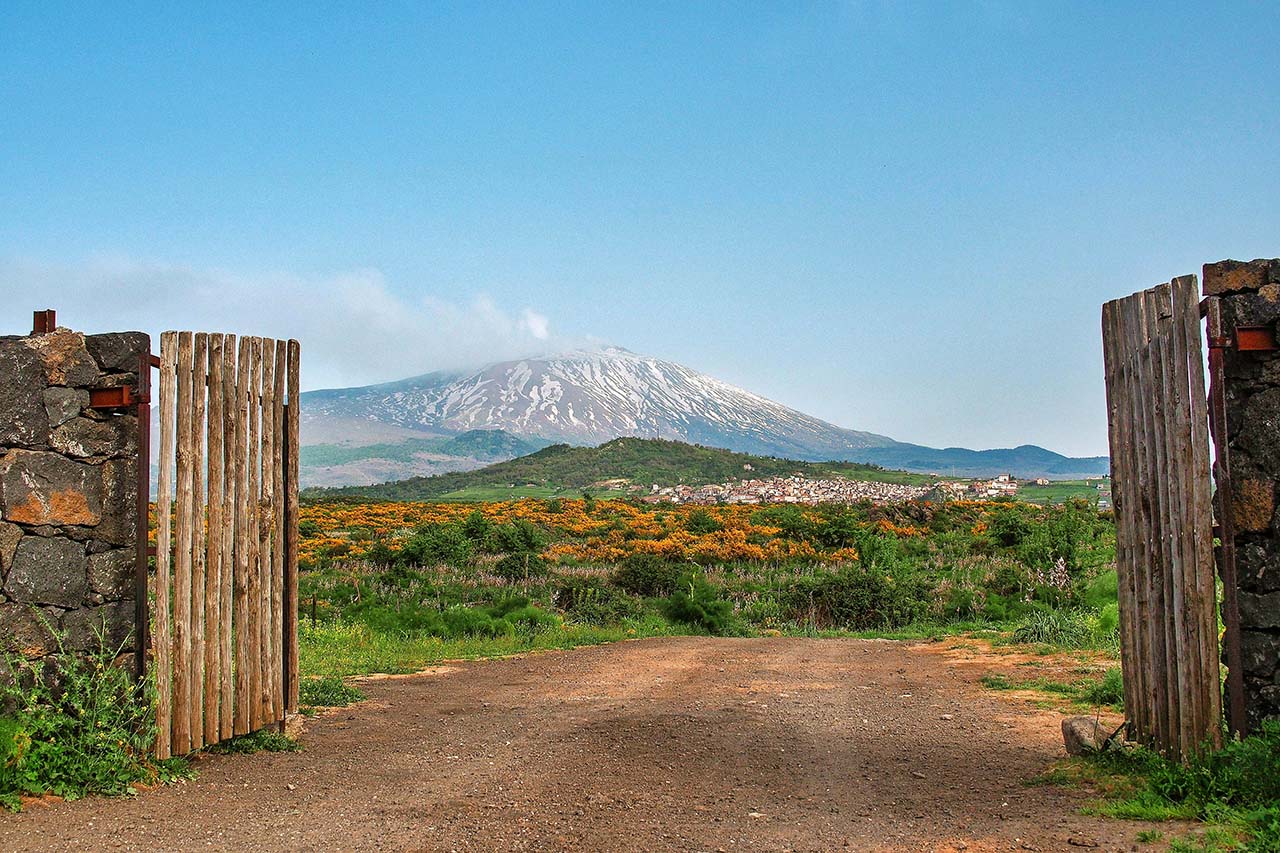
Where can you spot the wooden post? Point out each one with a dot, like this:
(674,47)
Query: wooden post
(277,526)
(199,376)
(253,534)
(226,591)
(242,621)
(266,536)
(163,643)
(291,531)
(213,544)
(182,557)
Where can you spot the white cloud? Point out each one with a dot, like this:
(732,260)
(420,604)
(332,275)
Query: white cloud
(536,324)
(354,328)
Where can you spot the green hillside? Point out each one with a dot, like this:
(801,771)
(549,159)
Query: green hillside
(641,461)
(474,444)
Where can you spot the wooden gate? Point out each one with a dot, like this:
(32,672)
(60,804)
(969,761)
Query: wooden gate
(1164,527)
(224,626)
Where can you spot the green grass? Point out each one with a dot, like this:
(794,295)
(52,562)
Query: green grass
(1085,693)
(481,494)
(327,692)
(341,649)
(1059,491)
(263,740)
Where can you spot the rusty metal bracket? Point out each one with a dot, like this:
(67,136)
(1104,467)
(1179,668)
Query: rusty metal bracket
(1246,339)
(120,397)
(44,322)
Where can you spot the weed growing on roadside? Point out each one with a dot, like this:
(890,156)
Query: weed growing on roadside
(78,726)
(263,740)
(327,692)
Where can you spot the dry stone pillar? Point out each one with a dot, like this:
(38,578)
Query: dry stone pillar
(1250,298)
(68,492)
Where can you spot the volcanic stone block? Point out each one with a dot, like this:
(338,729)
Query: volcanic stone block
(118,352)
(10,534)
(63,404)
(1259,428)
(65,359)
(46,488)
(119,499)
(23,420)
(1260,651)
(111,573)
(1234,276)
(114,622)
(24,630)
(84,437)
(1260,610)
(48,571)
(1253,504)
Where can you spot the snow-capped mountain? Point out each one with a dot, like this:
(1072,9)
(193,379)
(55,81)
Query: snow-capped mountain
(592,396)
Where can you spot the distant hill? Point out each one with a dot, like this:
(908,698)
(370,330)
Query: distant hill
(1027,460)
(339,464)
(643,462)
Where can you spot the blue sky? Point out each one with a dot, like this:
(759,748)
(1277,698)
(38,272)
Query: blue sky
(899,217)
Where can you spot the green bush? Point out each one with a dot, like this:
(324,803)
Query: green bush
(696,602)
(520,567)
(591,600)
(646,574)
(701,522)
(438,543)
(859,597)
(474,622)
(518,537)
(90,734)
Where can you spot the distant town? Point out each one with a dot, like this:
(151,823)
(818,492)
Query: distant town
(805,490)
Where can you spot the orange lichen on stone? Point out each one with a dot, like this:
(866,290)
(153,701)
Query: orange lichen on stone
(1253,503)
(67,506)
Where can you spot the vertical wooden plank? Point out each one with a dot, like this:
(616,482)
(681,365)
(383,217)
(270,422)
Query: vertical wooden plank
(226,594)
(1226,520)
(1119,453)
(1168,483)
(1157,486)
(278,543)
(291,530)
(241,622)
(162,642)
(182,556)
(1191,701)
(1186,292)
(254,534)
(266,536)
(213,543)
(1149,592)
(199,375)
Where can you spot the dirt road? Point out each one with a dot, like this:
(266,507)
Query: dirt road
(681,744)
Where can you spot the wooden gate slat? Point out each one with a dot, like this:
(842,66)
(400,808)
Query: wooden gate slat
(199,375)
(266,536)
(290,592)
(277,544)
(241,621)
(182,556)
(253,535)
(213,542)
(162,643)
(226,589)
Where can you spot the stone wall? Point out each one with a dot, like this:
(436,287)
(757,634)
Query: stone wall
(68,492)
(1250,296)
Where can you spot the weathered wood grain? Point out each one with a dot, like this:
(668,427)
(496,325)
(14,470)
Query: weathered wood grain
(162,642)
